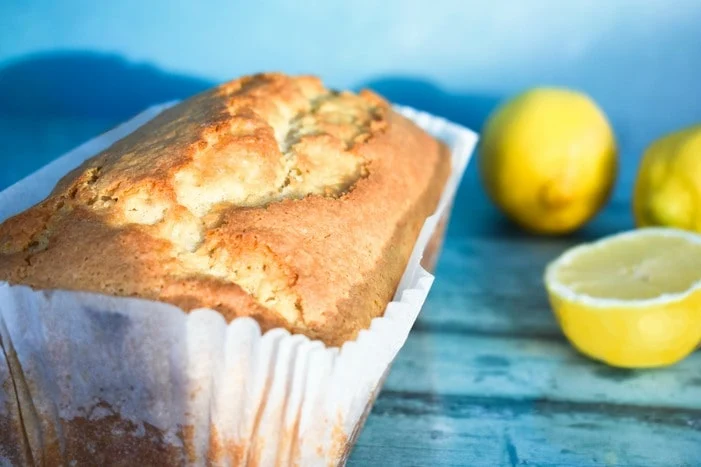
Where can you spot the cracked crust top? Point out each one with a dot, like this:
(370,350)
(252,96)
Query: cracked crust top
(268,196)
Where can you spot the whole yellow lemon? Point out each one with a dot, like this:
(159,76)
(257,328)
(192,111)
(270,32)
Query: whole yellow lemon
(548,159)
(668,187)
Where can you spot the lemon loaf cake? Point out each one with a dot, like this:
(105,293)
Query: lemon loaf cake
(269,196)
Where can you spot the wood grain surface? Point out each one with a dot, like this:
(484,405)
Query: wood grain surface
(487,378)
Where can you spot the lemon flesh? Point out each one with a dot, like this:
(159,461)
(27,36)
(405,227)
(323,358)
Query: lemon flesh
(548,159)
(668,186)
(631,300)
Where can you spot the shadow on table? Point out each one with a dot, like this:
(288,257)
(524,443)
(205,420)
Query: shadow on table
(52,102)
(87,85)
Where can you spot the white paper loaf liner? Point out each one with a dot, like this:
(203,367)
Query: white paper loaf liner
(177,388)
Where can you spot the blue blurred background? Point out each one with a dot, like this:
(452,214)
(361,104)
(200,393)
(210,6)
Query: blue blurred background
(71,69)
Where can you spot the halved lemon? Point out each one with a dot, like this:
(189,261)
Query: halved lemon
(631,300)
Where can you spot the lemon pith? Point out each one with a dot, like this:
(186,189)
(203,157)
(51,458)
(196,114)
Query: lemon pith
(633,299)
(548,159)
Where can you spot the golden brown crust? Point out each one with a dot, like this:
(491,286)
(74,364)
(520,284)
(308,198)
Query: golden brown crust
(268,196)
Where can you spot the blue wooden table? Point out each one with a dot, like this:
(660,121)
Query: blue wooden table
(486,377)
